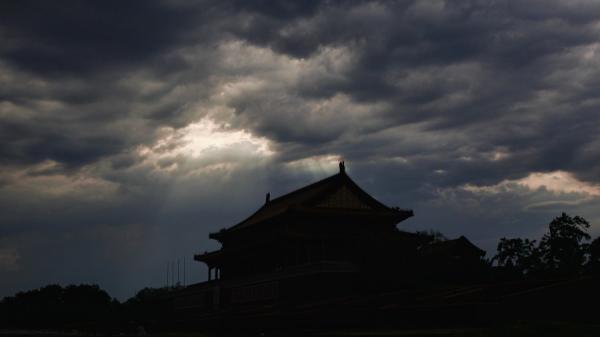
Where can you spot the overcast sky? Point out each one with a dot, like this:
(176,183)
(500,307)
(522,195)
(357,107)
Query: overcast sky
(129,131)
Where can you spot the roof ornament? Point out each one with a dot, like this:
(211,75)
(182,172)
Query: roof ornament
(342,167)
(267,198)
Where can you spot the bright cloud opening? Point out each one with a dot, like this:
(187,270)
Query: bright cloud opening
(207,135)
(559,182)
(203,145)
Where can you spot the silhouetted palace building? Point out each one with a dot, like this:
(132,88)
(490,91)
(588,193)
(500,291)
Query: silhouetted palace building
(326,240)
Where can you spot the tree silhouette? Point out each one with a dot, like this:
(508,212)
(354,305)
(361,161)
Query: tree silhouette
(594,256)
(149,307)
(518,254)
(428,237)
(82,307)
(562,249)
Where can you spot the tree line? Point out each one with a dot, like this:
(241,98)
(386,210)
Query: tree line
(565,250)
(85,308)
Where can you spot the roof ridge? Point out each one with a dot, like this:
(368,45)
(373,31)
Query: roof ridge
(306,196)
(278,200)
(304,188)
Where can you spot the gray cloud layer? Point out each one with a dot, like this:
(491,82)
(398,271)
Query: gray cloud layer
(128,132)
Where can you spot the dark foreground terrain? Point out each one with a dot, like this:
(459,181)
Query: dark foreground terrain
(555,308)
(523,329)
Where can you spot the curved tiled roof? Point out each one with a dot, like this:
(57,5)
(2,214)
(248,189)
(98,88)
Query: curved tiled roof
(338,191)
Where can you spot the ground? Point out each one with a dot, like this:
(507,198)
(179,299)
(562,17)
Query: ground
(538,329)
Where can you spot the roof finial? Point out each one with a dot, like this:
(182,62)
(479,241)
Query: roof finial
(342,167)
(267,198)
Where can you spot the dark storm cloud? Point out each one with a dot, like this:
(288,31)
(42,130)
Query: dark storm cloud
(65,67)
(77,38)
(440,106)
(497,55)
